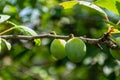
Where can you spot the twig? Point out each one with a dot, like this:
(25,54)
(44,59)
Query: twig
(107,19)
(118,22)
(1,33)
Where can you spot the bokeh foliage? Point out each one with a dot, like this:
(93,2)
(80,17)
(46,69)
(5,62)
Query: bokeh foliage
(25,61)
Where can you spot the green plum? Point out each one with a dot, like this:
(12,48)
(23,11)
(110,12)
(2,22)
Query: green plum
(75,49)
(57,48)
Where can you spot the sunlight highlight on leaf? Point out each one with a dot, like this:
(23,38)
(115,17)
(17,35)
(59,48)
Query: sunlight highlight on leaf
(109,5)
(68,4)
(4,18)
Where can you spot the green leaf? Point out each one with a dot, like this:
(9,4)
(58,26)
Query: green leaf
(70,4)
(37,42)
(116,27)
(0,45)
(93,6)
(4,18)
(109,23)
(28,31)
(109,5)
(115,31)
(118,6)
(8,45)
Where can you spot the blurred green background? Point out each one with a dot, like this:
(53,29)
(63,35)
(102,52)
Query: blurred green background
(25,61)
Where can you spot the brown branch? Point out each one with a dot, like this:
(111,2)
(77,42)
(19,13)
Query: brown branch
(87,40)
(104,40)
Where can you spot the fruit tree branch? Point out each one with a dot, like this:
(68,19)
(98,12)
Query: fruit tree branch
(104,40)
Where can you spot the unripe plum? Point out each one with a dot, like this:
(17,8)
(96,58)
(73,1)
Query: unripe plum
(75,49)
(57,48)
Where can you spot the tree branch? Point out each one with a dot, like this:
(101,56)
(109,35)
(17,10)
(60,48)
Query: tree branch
(104,40)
